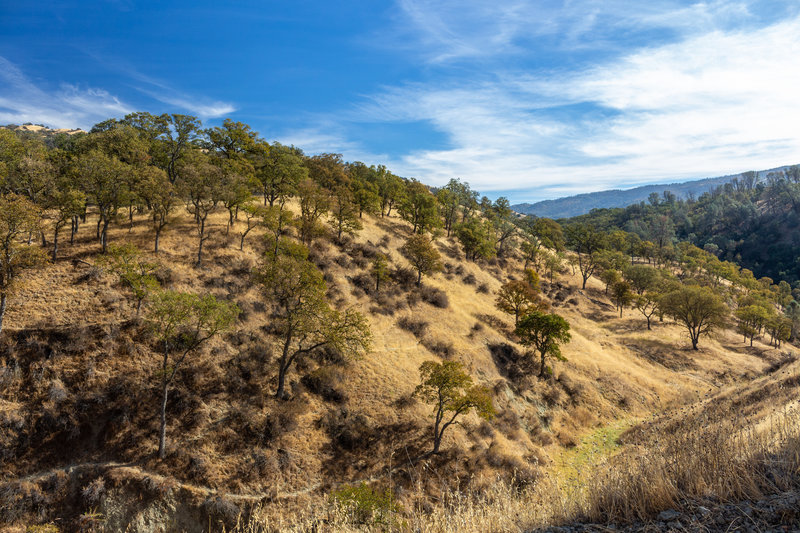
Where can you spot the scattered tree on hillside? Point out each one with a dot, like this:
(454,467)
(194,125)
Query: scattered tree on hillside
(586,241)
(501,216)
(391,190)
(314,204)
(133,270)
(640,277)
(253,216)
(158,192)
(279,169)
(18,217)
(699,309)
(552,263)
(344,212)
(67,204)
(477,238)
(449,388)
(181,323)
(306,322)
(647,303)
(276,219)
(200,182)
(621,295)
(419,208)
(423,255)
(544,332)
(751,319)
(380,270)
(105,177)
(518,298)
(610,277)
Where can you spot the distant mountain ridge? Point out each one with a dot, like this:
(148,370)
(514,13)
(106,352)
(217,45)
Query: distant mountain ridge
(580,204)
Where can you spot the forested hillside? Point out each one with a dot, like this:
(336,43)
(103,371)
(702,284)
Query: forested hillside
(202,330)
(751,220)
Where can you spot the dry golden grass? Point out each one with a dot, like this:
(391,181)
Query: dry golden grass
(615,370)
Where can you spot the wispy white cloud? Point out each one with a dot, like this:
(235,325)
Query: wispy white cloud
(445,30)
(72,105)
(198,106)
(165,92)
(710,103)
(68,106)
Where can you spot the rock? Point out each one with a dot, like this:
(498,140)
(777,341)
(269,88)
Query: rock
(668,516)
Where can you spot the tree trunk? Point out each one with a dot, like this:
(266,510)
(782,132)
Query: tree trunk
(104,236)
(648,323)
(55,244)
(158,236)
(3,302)
(541,365)
(419,277)
(437,435)
(162,435)
(200,248)
(283,366)
(73,230)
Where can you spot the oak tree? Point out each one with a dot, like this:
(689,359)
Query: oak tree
(450,389)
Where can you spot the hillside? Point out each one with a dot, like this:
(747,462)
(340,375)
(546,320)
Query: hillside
(203,331)
(579,204)
(79,400)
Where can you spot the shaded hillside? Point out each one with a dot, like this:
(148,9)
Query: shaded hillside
(579,204)
(753,221)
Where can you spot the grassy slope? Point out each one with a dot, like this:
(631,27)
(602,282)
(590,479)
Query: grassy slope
(84,387)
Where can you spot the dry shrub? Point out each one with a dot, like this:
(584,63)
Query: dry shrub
(222,509)
(386,305)
(363,281)
(573,389)
(343,261)
(165,276)
(508,423)
(92,274)
(404,277)
(583,417)
(413,298)
(553,394)
(282,419)
(324,382)
(470,279)
(414,325)
(483,288)
(347,430)
(318,254)
(435,297)
(492,321)
(443,349)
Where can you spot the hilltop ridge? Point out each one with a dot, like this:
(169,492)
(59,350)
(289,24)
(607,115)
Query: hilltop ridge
(580,204)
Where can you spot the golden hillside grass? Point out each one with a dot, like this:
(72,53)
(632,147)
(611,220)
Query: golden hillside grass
(616,370)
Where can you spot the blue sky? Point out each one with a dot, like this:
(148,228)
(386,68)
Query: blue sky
(531,99)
